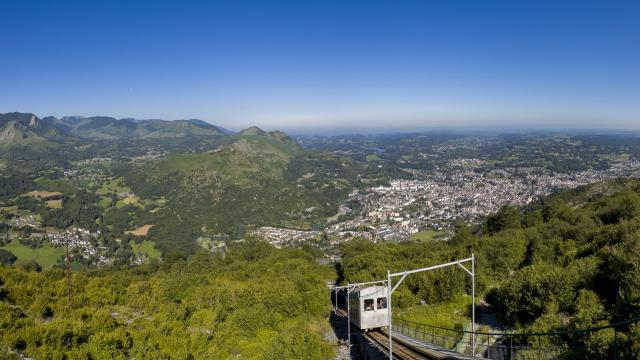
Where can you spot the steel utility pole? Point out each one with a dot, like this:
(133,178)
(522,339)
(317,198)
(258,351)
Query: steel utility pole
(389,290)
(69,285)
(459,263)
(473,304)
(349,318)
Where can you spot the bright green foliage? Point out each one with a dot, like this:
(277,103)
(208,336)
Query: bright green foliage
(256,302)
(535,286)
(588,309)
(507,218)
(450,314)
(365,261)
(145,248)
(428,235)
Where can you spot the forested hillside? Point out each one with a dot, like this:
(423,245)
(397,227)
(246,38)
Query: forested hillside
(104,127)
(258,179)
(255,303)
(571,261)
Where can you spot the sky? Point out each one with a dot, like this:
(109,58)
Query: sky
(317,65)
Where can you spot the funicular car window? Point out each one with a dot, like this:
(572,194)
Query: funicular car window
(382,303)
(368,304)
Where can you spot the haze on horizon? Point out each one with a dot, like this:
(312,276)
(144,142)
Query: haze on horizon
(305,65)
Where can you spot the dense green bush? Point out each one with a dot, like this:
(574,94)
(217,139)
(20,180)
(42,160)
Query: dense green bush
(7,257)
(255,302)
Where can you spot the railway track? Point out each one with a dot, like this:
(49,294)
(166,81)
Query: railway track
(401,349)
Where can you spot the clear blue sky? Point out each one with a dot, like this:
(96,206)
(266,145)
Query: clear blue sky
(322,64)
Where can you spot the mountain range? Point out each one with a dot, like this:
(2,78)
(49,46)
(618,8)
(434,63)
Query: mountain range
(27,128)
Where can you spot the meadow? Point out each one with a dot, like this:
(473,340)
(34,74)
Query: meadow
(146,248)
(428,235)
(46,256)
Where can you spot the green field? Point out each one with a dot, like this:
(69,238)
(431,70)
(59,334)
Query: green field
(146,248)
(131,200)
(136,201)
(446,314)
(114,186)
(46,256)
(105,202)
(428,235)
(372,157)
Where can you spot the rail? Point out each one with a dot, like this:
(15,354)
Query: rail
(403,350)
(620,340)
(408,351)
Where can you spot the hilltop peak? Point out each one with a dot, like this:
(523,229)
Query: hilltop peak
(26,119)
(22,128)
(252,131)
(278,133)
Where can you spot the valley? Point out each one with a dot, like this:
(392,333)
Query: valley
(136,208)
(118,185)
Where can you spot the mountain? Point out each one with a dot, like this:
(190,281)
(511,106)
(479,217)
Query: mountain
(109,128)
(26,128)
(66,123)
(103,127)
(252,131)
(206,124)
(240,163)
(177,128)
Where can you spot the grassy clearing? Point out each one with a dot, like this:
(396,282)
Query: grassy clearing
(46,256)
(41,194)
(141,231)
(113,186)
(146,248)
(129,200)
(105,202)
(446,314)
(373,157)
(54,204)
(428,235)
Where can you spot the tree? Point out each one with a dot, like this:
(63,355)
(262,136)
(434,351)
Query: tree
(7,257)
(508,217)
(588,310)
(525,296)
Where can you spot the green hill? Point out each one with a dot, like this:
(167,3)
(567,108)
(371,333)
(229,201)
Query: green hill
(254,180)
(252,131)
(176,128)
(108,128)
